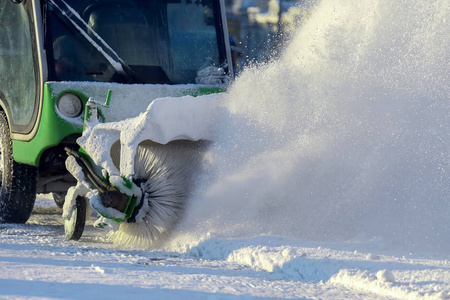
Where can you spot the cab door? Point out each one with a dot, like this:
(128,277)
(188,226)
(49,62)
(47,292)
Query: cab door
(19,73)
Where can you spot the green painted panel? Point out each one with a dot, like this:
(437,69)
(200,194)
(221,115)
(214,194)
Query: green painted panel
(52,130)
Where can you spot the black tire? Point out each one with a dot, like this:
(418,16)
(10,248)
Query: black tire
(75,226)
(59,199)
(17,181)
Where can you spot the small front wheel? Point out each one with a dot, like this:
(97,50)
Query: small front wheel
(74,227)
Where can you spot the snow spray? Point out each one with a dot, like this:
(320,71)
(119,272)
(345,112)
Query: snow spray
(344,137)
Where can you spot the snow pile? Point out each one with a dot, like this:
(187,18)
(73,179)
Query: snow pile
(284,261)
(346,137)
(330,266)
(368,282)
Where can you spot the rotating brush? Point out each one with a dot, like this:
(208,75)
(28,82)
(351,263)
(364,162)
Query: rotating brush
(166,175)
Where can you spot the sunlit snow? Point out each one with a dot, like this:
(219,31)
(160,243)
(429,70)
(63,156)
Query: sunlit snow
(327,179)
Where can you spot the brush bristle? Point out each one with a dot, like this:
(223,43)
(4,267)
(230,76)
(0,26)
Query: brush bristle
(167,172)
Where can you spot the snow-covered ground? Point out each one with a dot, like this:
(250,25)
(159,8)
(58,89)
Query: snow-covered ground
(328,179)
(38,262)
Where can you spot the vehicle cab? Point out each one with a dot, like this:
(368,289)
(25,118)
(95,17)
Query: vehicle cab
(56,54)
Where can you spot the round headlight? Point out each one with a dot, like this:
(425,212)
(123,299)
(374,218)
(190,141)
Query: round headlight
(70,105)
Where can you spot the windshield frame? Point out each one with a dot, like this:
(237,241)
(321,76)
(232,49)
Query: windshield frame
(222,42)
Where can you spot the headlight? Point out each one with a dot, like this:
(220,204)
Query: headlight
(70,105)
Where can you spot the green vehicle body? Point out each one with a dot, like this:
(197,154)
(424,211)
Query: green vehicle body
(39,139)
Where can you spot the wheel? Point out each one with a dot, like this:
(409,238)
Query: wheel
(17,181)
(75,226)
(59,199)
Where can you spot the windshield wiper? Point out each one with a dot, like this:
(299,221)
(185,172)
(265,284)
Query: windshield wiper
(113,58)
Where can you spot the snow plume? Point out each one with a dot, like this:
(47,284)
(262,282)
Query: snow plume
(346,136)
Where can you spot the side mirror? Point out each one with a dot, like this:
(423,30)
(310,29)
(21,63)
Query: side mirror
(17,1)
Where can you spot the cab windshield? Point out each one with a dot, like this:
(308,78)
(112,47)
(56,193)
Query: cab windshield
(132,41)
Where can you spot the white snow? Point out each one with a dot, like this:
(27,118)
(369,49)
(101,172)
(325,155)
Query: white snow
(165,119)
(327,180)
(37,262)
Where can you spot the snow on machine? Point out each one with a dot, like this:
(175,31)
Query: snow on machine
(108,102)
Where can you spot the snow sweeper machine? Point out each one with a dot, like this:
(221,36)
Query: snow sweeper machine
(104,103)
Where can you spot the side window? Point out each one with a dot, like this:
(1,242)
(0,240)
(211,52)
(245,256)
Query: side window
(17,75)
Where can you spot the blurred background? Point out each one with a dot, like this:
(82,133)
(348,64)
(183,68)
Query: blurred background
(258,28)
